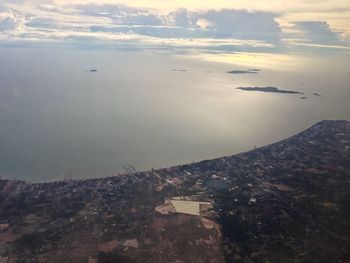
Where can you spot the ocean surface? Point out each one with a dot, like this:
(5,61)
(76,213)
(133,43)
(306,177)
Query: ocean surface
(60,119)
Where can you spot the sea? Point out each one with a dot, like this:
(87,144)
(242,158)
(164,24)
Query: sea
(70,113)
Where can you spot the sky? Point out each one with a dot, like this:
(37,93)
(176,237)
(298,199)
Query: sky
(204,26)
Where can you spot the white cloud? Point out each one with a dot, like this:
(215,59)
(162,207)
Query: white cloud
(241,24)
(212,30)
(8,22)
(204,23)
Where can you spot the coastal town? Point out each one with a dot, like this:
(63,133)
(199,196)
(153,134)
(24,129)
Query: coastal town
(285,202)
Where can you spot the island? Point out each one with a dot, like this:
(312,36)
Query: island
(270,89)
(284,202)
(249,71)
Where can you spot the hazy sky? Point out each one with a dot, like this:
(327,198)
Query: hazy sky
(214,26)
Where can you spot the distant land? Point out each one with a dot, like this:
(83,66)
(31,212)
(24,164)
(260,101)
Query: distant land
(92,70)
(270,89)
(249,71)
(179,70)
(285,202)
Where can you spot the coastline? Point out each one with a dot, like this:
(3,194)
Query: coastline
(322,122)
(293,192)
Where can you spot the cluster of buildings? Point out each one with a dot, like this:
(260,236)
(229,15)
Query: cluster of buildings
(286,202)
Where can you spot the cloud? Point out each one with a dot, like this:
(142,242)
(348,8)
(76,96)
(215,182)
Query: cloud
(8,22)
(319,32)
(235,24)
(42,23)
(180,17)
(225,30)
(148,20)
(121,14)
(241,24)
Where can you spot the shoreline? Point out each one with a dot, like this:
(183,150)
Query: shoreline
(295,190)
(181,165)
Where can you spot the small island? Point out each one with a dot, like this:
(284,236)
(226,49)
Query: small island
(249,71)
(92,70)
(270,89)
(179,70)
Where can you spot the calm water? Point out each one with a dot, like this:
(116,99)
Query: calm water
(58,120)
